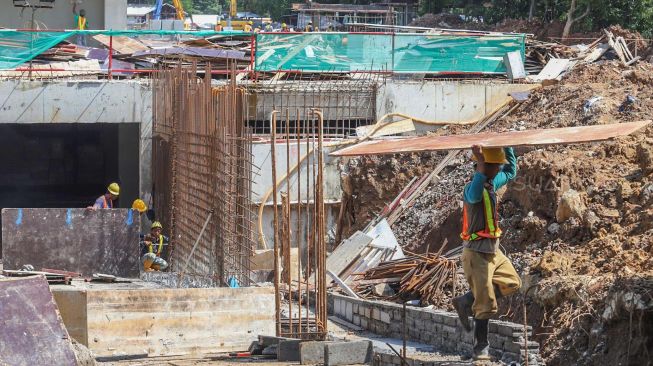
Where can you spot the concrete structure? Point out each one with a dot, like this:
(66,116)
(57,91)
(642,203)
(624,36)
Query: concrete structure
(126,105)
(101,14)
(434,327)
(136,319)
(130,102)
(452,101)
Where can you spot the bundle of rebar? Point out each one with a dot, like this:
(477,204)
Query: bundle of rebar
(416,277)
(202,173)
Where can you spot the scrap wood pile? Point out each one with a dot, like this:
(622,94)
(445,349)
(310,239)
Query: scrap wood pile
(131,54)
(148,53)
(538,54)
(431,278)
(614,44)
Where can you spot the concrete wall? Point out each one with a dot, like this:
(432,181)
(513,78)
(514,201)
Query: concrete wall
(435,327)
(72,307)
(446,101)
(167,321)
(101,14)
(263,183)
(24,101)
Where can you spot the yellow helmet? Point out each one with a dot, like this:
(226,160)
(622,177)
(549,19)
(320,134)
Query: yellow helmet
(139,205)
(250,22)
(493,155)
(114,189)
(156,224)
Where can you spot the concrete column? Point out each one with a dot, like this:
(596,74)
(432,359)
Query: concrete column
(115,14)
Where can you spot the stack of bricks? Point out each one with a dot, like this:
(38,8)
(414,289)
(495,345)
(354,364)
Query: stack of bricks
(438,328)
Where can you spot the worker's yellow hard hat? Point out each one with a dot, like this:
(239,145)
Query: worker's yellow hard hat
(156,224)
(250,22)
(283,25)
(493,155)
(139,205)
(114,189)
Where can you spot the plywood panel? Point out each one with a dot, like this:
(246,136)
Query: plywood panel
(31,330)
(77,240)
(552,136)
(175,321)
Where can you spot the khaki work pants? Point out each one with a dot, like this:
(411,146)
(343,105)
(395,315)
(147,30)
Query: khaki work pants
(483,271)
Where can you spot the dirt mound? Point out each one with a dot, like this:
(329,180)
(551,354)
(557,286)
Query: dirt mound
(444,20)
(371,182)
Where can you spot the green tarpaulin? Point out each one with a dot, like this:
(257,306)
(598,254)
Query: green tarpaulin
(403,52)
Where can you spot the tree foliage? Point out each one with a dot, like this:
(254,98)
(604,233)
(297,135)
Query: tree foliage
(632,14)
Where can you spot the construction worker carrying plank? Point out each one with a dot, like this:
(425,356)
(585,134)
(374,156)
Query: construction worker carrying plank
(107,199)
(489,273)
(152,248)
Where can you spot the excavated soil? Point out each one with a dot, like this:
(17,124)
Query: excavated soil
(578,219)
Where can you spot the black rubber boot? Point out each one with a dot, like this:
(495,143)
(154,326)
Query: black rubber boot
(463,306)
(481,345)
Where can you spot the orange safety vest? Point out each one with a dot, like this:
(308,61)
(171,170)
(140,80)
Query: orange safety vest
(158,251)
(104,202)
(491,230)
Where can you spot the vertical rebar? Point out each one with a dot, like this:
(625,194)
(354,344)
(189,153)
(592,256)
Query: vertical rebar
(277,274)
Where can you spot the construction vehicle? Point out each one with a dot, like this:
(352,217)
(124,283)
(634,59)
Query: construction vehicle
(177,4)
(234,22)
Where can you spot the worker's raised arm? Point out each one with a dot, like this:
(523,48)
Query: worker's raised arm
(509,170)
(474,190)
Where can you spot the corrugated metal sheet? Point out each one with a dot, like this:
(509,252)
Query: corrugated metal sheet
(552,136)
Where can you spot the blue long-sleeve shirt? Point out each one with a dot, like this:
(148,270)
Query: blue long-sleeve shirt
(474,190)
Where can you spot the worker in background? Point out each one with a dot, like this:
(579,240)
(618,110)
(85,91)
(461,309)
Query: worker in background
(140,206)
(107,199)
(81,23)
(248,26)
(218,27)
(152,248)
(309,26)
(330,28)
(489,273)
(257,29)
(268,27)
(284,27)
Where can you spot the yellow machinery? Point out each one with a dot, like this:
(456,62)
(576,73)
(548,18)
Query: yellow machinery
(237,23)
(180,9)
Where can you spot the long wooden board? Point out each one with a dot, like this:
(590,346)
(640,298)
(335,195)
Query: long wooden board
(552,136)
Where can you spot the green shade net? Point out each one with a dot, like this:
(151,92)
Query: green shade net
(18,47)
(408,53)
